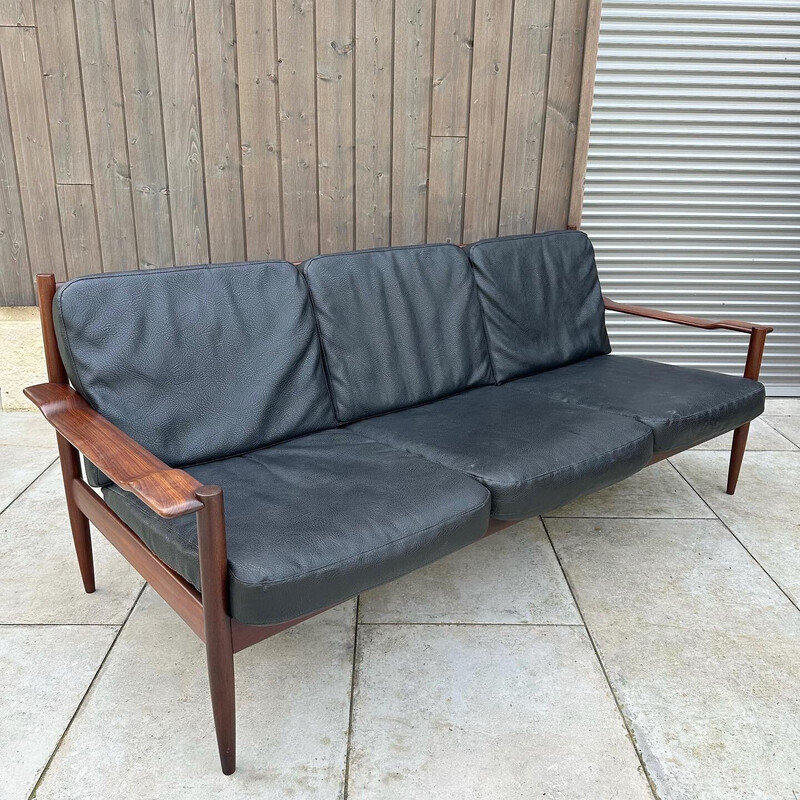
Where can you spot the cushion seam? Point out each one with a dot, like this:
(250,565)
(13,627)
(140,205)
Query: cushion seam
(648,434)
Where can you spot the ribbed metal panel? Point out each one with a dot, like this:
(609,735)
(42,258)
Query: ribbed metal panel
(693,181)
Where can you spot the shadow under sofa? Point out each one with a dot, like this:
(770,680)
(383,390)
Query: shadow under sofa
(271,440)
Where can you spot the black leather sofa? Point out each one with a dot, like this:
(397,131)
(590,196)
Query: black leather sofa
(363,414)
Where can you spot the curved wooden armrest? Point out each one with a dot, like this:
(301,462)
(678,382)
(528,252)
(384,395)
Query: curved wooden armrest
(169,492)
(680,319)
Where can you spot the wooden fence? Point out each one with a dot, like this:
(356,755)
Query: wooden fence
(150,133)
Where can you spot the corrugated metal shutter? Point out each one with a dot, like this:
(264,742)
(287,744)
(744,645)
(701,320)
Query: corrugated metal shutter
(693,181)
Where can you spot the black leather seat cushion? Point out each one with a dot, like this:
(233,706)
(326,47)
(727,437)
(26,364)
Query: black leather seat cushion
(682,406)
(316,520)
(196,363)
(541,301)
(399,326)
(532,453)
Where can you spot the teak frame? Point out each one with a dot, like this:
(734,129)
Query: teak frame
(172,492)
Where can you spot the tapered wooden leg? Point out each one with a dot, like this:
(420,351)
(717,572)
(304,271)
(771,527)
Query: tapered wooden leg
(737,454)
(219,642)
(71,468)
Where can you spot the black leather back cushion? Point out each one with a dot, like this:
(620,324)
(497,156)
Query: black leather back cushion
(197,363)
(541,301)
(399,326)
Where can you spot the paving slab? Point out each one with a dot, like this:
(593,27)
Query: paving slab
(500,711)
(41,582)
(656,491)
(701,648)
(765,511)
(783,406)
(787,426)
(509,577)
(27,429)
(20,467)
(761,437)
(44,673)
(148,728)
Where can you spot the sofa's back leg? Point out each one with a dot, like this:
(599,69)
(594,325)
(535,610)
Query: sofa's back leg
(219,640)
(71,469)
(737,454)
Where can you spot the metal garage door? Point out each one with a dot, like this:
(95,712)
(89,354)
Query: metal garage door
(693,180)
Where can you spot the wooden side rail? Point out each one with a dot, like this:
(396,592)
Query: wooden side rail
(682,319)
(169,492)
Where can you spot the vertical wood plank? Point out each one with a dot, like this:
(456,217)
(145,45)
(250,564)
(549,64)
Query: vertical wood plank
(527,88)
(561,120)
(219,119)
(16,283)
(22,76)
(79,229)
(142,96)
(258,116)
(109,153)
(296,89)
(62,85)
(487,118)
(335,134)
(452,62)
(374,70)
(446,193)
(16,12)
(178,68)
(413,67)
(588,69)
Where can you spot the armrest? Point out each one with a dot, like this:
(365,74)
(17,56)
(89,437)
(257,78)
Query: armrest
(680,319)
(169,492)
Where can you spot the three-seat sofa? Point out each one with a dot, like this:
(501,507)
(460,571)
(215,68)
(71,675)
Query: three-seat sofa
(361,415)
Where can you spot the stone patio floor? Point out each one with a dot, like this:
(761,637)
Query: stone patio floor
(642,642)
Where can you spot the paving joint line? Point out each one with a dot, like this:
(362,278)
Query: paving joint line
(86,694)
(352,703)
(730,531)
(623,716)
(27,485)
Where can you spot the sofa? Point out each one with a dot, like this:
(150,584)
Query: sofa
(270,439)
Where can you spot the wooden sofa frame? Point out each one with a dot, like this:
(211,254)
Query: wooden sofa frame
(173,493)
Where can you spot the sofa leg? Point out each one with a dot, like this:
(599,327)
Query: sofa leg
(737,454)
(219,639)
(71,469)
(219,655)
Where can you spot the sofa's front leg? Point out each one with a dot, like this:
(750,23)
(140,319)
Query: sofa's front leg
(219,642)
(70,470)
(737,454)
(752,369)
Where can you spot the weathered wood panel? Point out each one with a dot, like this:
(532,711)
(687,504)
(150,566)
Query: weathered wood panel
(561,114)
(373,112)
(487,118)
(335,134)
(111,172)
(142,97)
(219,120)
(452,63)
(527,87)
(182,131)
(178,68)
(16,283)
(258,120)
(58,46)
(79,229)
(22,76)
(296,92)
(413,67)
(16,12)
(446,193)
